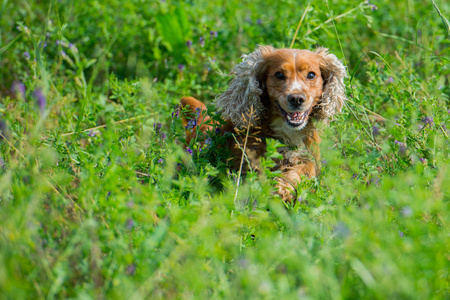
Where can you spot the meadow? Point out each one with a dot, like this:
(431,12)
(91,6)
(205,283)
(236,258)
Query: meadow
(99,199)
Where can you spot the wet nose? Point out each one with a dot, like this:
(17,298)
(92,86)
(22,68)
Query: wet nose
(296,100)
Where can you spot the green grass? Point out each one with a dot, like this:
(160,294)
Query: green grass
(97,201)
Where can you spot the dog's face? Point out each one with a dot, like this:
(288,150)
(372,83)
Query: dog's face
(293,82)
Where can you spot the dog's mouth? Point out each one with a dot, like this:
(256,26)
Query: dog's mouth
(295,119)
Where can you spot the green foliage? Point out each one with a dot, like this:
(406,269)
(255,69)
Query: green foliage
(99,198)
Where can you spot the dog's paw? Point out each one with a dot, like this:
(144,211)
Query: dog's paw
(285,190)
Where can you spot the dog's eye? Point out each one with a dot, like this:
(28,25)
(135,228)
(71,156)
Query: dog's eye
(279,75)
(311,75)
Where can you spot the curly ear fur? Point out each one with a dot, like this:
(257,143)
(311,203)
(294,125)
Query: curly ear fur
(333,73)
(244,90)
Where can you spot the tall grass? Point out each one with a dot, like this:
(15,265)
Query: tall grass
(98,198)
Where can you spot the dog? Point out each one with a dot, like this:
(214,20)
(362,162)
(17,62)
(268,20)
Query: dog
(280,94)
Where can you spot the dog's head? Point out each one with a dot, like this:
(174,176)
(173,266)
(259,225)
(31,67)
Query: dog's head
(288,84)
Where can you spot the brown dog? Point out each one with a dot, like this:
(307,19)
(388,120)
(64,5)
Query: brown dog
(278,93)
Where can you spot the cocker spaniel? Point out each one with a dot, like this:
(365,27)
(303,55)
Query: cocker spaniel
(279,94)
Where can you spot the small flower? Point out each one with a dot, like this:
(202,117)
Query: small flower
(176,112)
(191,124)
(422,160)
(189,43)
(213,34)
(189,150)
(390,79)
(208,142)
(163,136)
(341,230)
(160,161)
(375,130)
(131,269)
(201,41)
(218,130)
(259,22)
(73,47)
(63,53)
(40,99)
(407,211)
(42,44)
(401,147)
(130,223)
(91,133)
(181,67)
(19,89)
(400,233)
(107,195)
(157,127)
(375,180)
(373,7)
(197,112)
(427,120)
(26,55)
(324,161)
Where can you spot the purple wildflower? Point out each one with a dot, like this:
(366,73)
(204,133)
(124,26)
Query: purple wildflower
(354,176)
(91,133)
(407,211)
(130,223)
(324,161)
(189,150)
(131,269)
(107,195)
(163,136)
(197,112)
(160,161)
(181,67)
(189,43)
(63,53)
(213,34)
(18,88)
(40,99)
(390,80)
(422,160)
(42,44)
(427,120)
(400,233)
(375,180)
(208,141)
(375,130)
(191,124)
(259,22)
(157,127)
(73,48)
(218,130)
(341,230)
(373,7)
(176,112)
(26,54)
(201,41)
(401,147)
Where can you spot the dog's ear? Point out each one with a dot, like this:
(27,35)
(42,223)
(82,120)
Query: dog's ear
(245,89)
(333,73)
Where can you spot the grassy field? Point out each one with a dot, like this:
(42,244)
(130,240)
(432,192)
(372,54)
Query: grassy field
(98,199)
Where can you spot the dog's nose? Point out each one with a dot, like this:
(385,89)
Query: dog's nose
(296,100)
